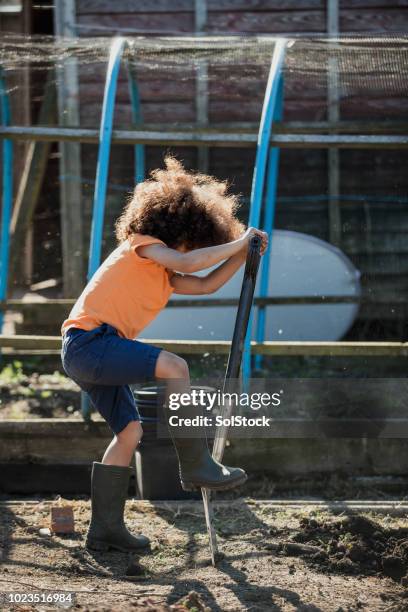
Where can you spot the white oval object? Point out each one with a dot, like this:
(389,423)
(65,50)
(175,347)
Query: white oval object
(300,265)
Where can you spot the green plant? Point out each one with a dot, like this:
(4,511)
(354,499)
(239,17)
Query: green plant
(12,373)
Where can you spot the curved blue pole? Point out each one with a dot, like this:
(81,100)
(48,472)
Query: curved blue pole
(7,195)
(102,170)
(269,217)
(258,181)
(105,139)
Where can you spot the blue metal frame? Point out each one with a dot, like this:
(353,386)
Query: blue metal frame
(119,45)
(268,224)
(273,95)
(102,168)
(7,194)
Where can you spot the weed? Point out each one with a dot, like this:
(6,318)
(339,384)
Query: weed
(12,373)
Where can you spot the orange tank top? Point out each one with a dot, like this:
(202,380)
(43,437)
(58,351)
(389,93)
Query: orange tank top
(127,291)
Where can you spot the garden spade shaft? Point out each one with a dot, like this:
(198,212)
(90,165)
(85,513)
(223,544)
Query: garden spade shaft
(232,373)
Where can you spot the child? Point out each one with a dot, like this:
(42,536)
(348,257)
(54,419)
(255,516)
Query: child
(175,224)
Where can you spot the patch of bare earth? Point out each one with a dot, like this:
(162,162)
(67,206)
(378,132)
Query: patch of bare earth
(272,560)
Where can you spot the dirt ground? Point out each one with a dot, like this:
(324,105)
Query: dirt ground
(307,560)
(37,395)
(288,559)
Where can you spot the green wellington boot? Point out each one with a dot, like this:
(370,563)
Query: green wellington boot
(107,529)
(197,468)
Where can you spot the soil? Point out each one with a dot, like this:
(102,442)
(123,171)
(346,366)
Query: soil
(306,560)
(37,395)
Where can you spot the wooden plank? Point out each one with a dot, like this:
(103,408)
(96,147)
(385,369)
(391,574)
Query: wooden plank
(67,478)
(48,310)
(306,21)
(31,181)
(343,127)
(281,22)
(334,428)
(395,225)
(131,23)
(99,7)
(378,178)
(305,108)
(392,128)
(152,90)
(70,159)
(359,211)
(333,115)
(209,138)
(289,460)
(48,315)
(390,19)
(387,263)
(171,112)
(231,83)
(375,242)
(345,349)
(375,107)
(102,7)
(302,127)
(46,428)
(366,4)
(383,314)
(201,89)
(42,440)
(18,445)
(234,81)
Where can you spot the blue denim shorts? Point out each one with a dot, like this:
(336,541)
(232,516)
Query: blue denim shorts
(103,364)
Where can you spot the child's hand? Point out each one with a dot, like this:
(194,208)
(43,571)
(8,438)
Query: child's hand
(253,231)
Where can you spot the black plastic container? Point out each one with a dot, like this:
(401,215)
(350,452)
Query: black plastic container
(157,471)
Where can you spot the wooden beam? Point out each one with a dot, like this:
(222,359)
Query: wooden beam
(200,137)
(340,127)
(60,305)
(31,180)
(70,161)
(388,127)
(343,349)
(201,82)
(43,312)
(333,115)
(43,439)
(100,7)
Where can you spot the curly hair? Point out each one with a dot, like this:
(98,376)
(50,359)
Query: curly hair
(181,208)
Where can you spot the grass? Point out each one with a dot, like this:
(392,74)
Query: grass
(12,373)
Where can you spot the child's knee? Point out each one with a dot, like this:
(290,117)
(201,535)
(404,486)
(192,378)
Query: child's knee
(169,365)
(131,434)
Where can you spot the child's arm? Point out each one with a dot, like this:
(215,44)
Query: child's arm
(198,259)
(201,285)
(196,285)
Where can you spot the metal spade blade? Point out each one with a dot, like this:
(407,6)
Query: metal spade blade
(232,372)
